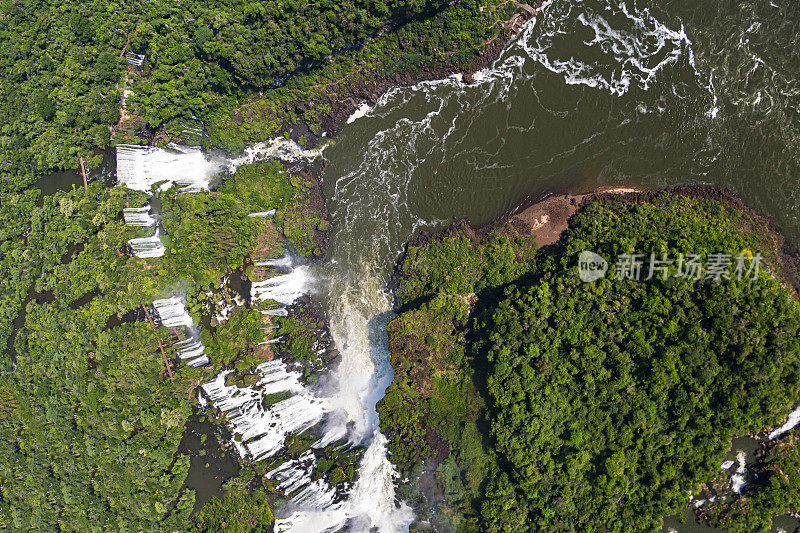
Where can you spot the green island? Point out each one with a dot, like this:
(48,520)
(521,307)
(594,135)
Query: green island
(527,400)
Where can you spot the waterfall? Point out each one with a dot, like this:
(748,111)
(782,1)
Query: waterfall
(280,311)
(737,479)
(284,289)
(370,504)
(284,262)
(263,431)
(791,422)
(267,213)
(295,480)
(191,350)
(146,247)
(172,312)
(141,167)
(139,216)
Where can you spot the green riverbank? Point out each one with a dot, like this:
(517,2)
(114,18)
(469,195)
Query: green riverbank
(526,399)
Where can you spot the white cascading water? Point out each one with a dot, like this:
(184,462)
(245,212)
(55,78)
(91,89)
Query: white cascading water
(191,350)
(791,423)
(738,479)
(281,263)
(262,214)
(141,167)
(173,314)
(263,431)
(144,247)
(294,480)
(280,311)
(139,216)
(284,289)
(148,247)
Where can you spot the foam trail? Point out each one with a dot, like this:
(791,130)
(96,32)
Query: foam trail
(139,216)
(791,422)
(284,289)
(147,247)
(629,47)
(278,148)
(141,167)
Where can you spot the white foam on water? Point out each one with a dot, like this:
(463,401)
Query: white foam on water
(141,167)
(148,247)
(362,111)
(627,47)
(791,423)
(278,148)
(284,289)
(629,51)
(737,479)
(138,216)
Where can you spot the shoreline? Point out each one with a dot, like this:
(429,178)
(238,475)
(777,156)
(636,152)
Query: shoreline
(310,113)
(370,92)
(546,216)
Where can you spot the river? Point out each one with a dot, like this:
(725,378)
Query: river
(591,93)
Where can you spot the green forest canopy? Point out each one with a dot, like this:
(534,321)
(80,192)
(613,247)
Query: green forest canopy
(89,423)
(63,74)
(606,402)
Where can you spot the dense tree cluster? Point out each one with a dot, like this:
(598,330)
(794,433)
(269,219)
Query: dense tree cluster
(59,68)
(64,70)
(606,402)
(90,424)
